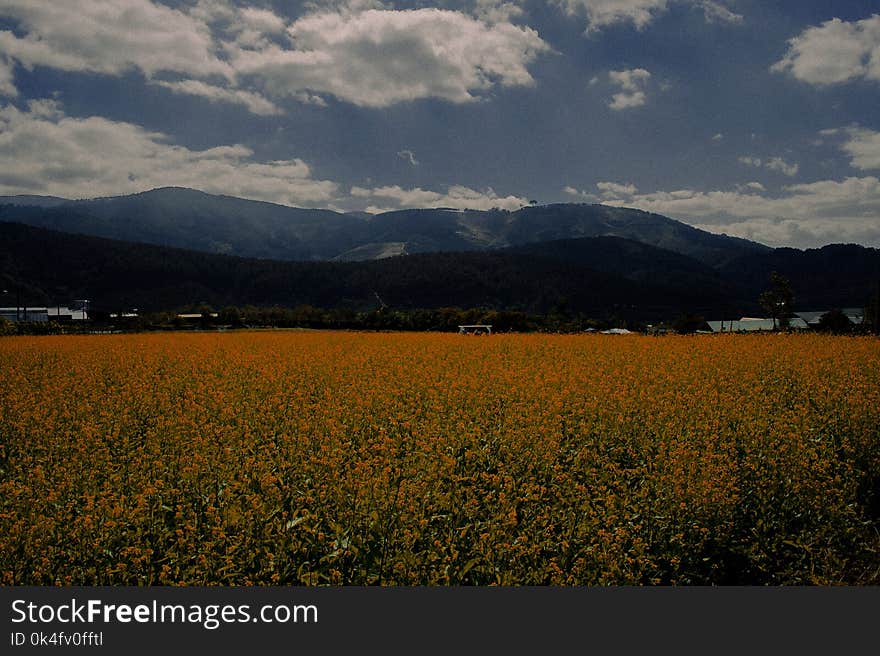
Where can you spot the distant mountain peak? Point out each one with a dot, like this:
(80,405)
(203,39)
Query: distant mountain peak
(189,218)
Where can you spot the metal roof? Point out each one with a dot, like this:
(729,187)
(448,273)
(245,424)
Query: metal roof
(812,317)
(749,324)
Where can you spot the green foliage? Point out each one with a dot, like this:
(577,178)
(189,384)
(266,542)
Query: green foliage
(778,300)
(688,323)
(564,281)
(835,321)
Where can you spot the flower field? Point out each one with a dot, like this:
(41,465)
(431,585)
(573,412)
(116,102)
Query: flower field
(433,459)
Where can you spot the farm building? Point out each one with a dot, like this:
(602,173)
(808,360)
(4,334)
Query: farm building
(31,314)
(42,314)
(855,315)
(753,324)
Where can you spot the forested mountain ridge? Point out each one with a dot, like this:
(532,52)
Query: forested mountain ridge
(592,276)
(194,220)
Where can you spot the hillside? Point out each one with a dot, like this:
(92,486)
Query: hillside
(837,275)
(598,276)
(185,218)
(115,274)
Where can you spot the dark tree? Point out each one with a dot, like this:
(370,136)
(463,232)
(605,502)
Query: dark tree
(778,300)
(835,321)
(687,324)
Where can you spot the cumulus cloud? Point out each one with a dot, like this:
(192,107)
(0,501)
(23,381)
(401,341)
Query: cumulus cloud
(7,78)
(581,195)
(804,215)
(781,166)
(377,58)
(44,151)
(262,20)
(457,197)
(777,164)
(254,102)
(602,13)
(863,147)
(615,190)
(640,13)
(836,51)
(715,12)
(497,11)
(252,56)
(632,83)
(213,11)
(109,37)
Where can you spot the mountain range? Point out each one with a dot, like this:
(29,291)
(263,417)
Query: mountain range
(171,248)
(190,219)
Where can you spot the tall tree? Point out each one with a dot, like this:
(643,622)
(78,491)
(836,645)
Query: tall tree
(778,300)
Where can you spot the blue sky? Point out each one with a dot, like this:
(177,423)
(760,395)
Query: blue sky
(747,117)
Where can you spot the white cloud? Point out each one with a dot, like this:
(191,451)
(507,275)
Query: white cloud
(377,58)
(602,13)
(628,100)
(43,151)
(863,147)
(781,166)
(640,13)
(496,11)
(409,156)
(252,56)
(630,79)
(109,37)
(715,12)
(262,20)
(777,164)
(246,27)
(7,78)
(615,190)
(213,11)
(456,197)
(804,215)
(632,83)
(583,196)
(254,102)
(836,51)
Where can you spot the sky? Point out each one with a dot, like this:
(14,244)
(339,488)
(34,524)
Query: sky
(745,117)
